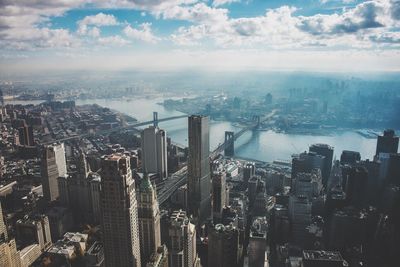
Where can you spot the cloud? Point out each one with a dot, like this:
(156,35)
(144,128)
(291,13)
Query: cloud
(98,20)
(223,2)
(198,13)
(143,33)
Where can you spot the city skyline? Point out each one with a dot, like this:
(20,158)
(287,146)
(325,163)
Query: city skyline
(317,35)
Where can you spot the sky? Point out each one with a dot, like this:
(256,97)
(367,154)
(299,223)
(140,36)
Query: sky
(302,35)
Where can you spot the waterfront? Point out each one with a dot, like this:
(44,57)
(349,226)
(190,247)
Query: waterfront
(259,145)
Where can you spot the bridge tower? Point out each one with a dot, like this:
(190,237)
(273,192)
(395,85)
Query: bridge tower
(256,118)
(229,150)
(155,119)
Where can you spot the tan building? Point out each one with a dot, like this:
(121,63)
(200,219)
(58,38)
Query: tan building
(54,165)
(119,212)
(149,220)
(8,249)
(159,258)
(182,234)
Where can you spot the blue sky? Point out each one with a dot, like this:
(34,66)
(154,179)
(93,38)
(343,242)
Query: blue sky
(317,35)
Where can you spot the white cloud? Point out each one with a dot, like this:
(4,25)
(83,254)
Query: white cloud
(143,33)
(99,20)
(223,2)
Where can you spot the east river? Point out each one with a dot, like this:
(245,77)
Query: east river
(258,145)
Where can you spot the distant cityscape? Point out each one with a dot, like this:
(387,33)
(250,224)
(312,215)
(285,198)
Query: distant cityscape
(90,186)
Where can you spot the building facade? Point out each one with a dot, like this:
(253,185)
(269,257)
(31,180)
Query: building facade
(119,212)
(149,220)
(199,184)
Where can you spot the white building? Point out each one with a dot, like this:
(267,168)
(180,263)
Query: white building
(154,151)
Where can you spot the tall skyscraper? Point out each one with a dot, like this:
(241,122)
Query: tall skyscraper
(182,237)
(53,166)
(149,220)
(327,152)
(9,256)
(199,199)
(154,151)
(25,134)
(3,228)
(387,143)
(223,246)
(219,195)
(119,213)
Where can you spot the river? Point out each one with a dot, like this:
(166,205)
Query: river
(258,145)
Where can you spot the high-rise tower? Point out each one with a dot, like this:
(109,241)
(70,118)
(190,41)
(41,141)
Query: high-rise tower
(149,220)
(119,213)
(154,151)
(182,236)
(53,166)
(199,200)
(387,143)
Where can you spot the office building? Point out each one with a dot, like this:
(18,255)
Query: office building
(306,162)
(34,229)
(199,183)
(25,134)
(257,242)
(223,246)
(327,152)
(29,254)
(249,171)
(149,220)
(182,241)
(387,143)
(67,250)
(119,212)
(80,190)
(54,165)
(219,195)
(300,218)
(159,258)
(349,157)
(154,151)
(9,256)
(357,186)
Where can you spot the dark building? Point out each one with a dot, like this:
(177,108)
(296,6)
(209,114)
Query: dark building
(223,246)
(306,162)
(320,258)
(393,174)
(350,157)
(327,152)
(249,171)
(199,182)
(387,143)
(25,134)
(219,195)
(356,187)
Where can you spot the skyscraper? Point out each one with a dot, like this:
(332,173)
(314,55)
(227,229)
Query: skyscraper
(25,134)
(327,152)
(219,195)
(199,200)
(387,143)
(182,237)
(223,246)
(9,256)
(154,151)
(53,166)
(119,213)
(149,220)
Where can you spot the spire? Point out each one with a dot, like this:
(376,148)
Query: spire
(145,184)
